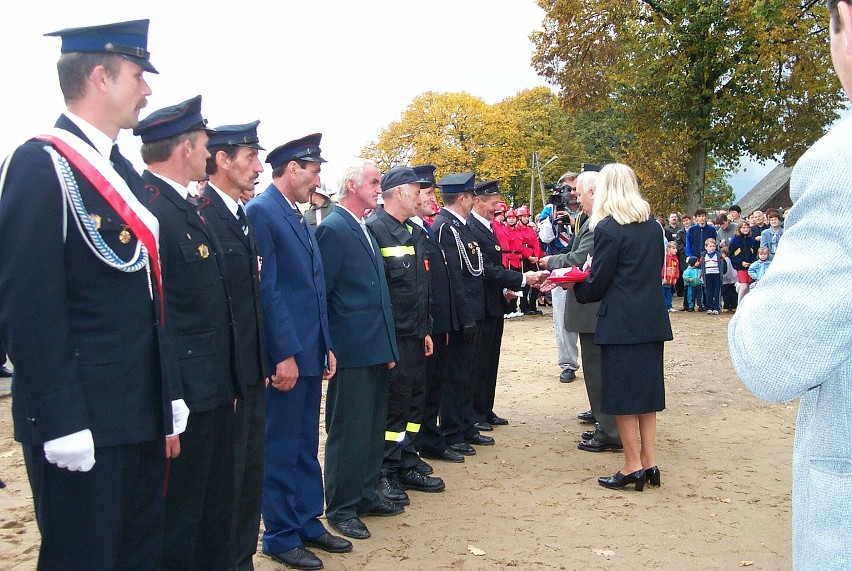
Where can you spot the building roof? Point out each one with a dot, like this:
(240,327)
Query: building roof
(767,191)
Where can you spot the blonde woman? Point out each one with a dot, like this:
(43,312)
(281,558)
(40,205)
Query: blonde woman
(632,321)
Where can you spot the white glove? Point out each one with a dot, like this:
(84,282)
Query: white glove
(180,414)
(74,451)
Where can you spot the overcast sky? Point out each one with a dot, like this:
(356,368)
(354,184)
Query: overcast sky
(342,68)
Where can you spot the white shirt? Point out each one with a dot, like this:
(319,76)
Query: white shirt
(229,202)
(485,222)
(103,144)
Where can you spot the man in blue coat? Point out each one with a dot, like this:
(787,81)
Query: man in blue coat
(298,349)
(362,332)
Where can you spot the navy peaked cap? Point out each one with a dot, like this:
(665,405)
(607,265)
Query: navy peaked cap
(174,120)
(427,173)
(304,149)
(487,188)
(236,135)
(127,39)
(398,176)
(456,183)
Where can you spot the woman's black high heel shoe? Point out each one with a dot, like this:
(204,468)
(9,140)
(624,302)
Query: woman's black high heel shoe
(620,480)
(653,476)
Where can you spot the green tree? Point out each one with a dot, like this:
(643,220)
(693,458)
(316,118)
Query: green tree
(692,79)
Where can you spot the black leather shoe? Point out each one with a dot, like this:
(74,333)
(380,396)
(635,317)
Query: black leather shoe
(567,376)
(390,489)
(463,448)
(424,468)
(384,509)
(330,543)
(653,476)
(297,558)
(587,435)
(447,455)
(495,420)
(479,440)
(586,416)
(619,480)
(484,426)
(5,372)
(595,445)
(411,479)
(352,527)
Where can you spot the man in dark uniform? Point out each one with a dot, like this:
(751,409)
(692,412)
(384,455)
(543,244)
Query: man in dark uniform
(465,266)
(233,168)
(82,316)
(486,197)
(401,245)
(299,350)
(198,321)
(362,333)
(430,440)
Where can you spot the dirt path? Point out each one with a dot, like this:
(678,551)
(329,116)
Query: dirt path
(532,501)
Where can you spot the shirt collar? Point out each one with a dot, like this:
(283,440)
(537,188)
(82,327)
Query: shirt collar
(457,215)
(229,202)
(357,219)
(485,222)
(103,144)
(181,190)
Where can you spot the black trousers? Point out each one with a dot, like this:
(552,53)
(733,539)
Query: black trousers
(249,422)
(487,364)
(356,413)
(430,439)
(110,517)
(606,430)
(457,414)
(530,294)
(200,492)
(405,404)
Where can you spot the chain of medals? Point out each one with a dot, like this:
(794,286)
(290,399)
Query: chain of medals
(463,257)
(87,226)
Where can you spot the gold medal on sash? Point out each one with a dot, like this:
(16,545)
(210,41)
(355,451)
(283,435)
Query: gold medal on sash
(96,220)
(124,236)
(203,251)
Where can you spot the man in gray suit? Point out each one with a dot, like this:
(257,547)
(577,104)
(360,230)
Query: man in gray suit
(583,318)
(814,363)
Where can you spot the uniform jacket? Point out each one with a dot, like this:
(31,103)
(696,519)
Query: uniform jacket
(82,335)
(625,278)
(811,360)
(242,280)
(360,317)
(530,245)
(468,289)
(579,317)
(292,285)
(496,276)
(512,242)
(403,250)
(441,301)
(198,312)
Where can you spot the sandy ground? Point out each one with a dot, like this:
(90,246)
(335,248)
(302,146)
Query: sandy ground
(532,501)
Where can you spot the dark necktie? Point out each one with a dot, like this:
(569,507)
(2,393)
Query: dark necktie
(119,164)
(242,216)
(299,216)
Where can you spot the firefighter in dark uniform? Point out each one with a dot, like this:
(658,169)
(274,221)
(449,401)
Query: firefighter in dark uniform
(401,244)
(465,266)
(430,441)
(174,147)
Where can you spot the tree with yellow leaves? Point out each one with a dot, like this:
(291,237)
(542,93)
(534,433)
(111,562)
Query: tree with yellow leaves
(694,79)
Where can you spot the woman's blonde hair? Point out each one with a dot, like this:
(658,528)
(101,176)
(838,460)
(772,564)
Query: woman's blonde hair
(617,195)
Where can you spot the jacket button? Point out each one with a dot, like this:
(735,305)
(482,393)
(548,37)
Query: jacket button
(32,421)
(189,351)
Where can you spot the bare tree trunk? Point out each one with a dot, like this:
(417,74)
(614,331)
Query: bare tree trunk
(696,169)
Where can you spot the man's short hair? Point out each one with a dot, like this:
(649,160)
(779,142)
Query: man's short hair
(230,150)
(74,68)
(736,208)
(721,219)
(570,175)
(700,211)
(160,151)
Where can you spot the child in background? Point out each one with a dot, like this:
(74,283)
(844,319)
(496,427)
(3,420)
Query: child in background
(712,269)
(729,284)
(692,283)
(759,267)
(671,273)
